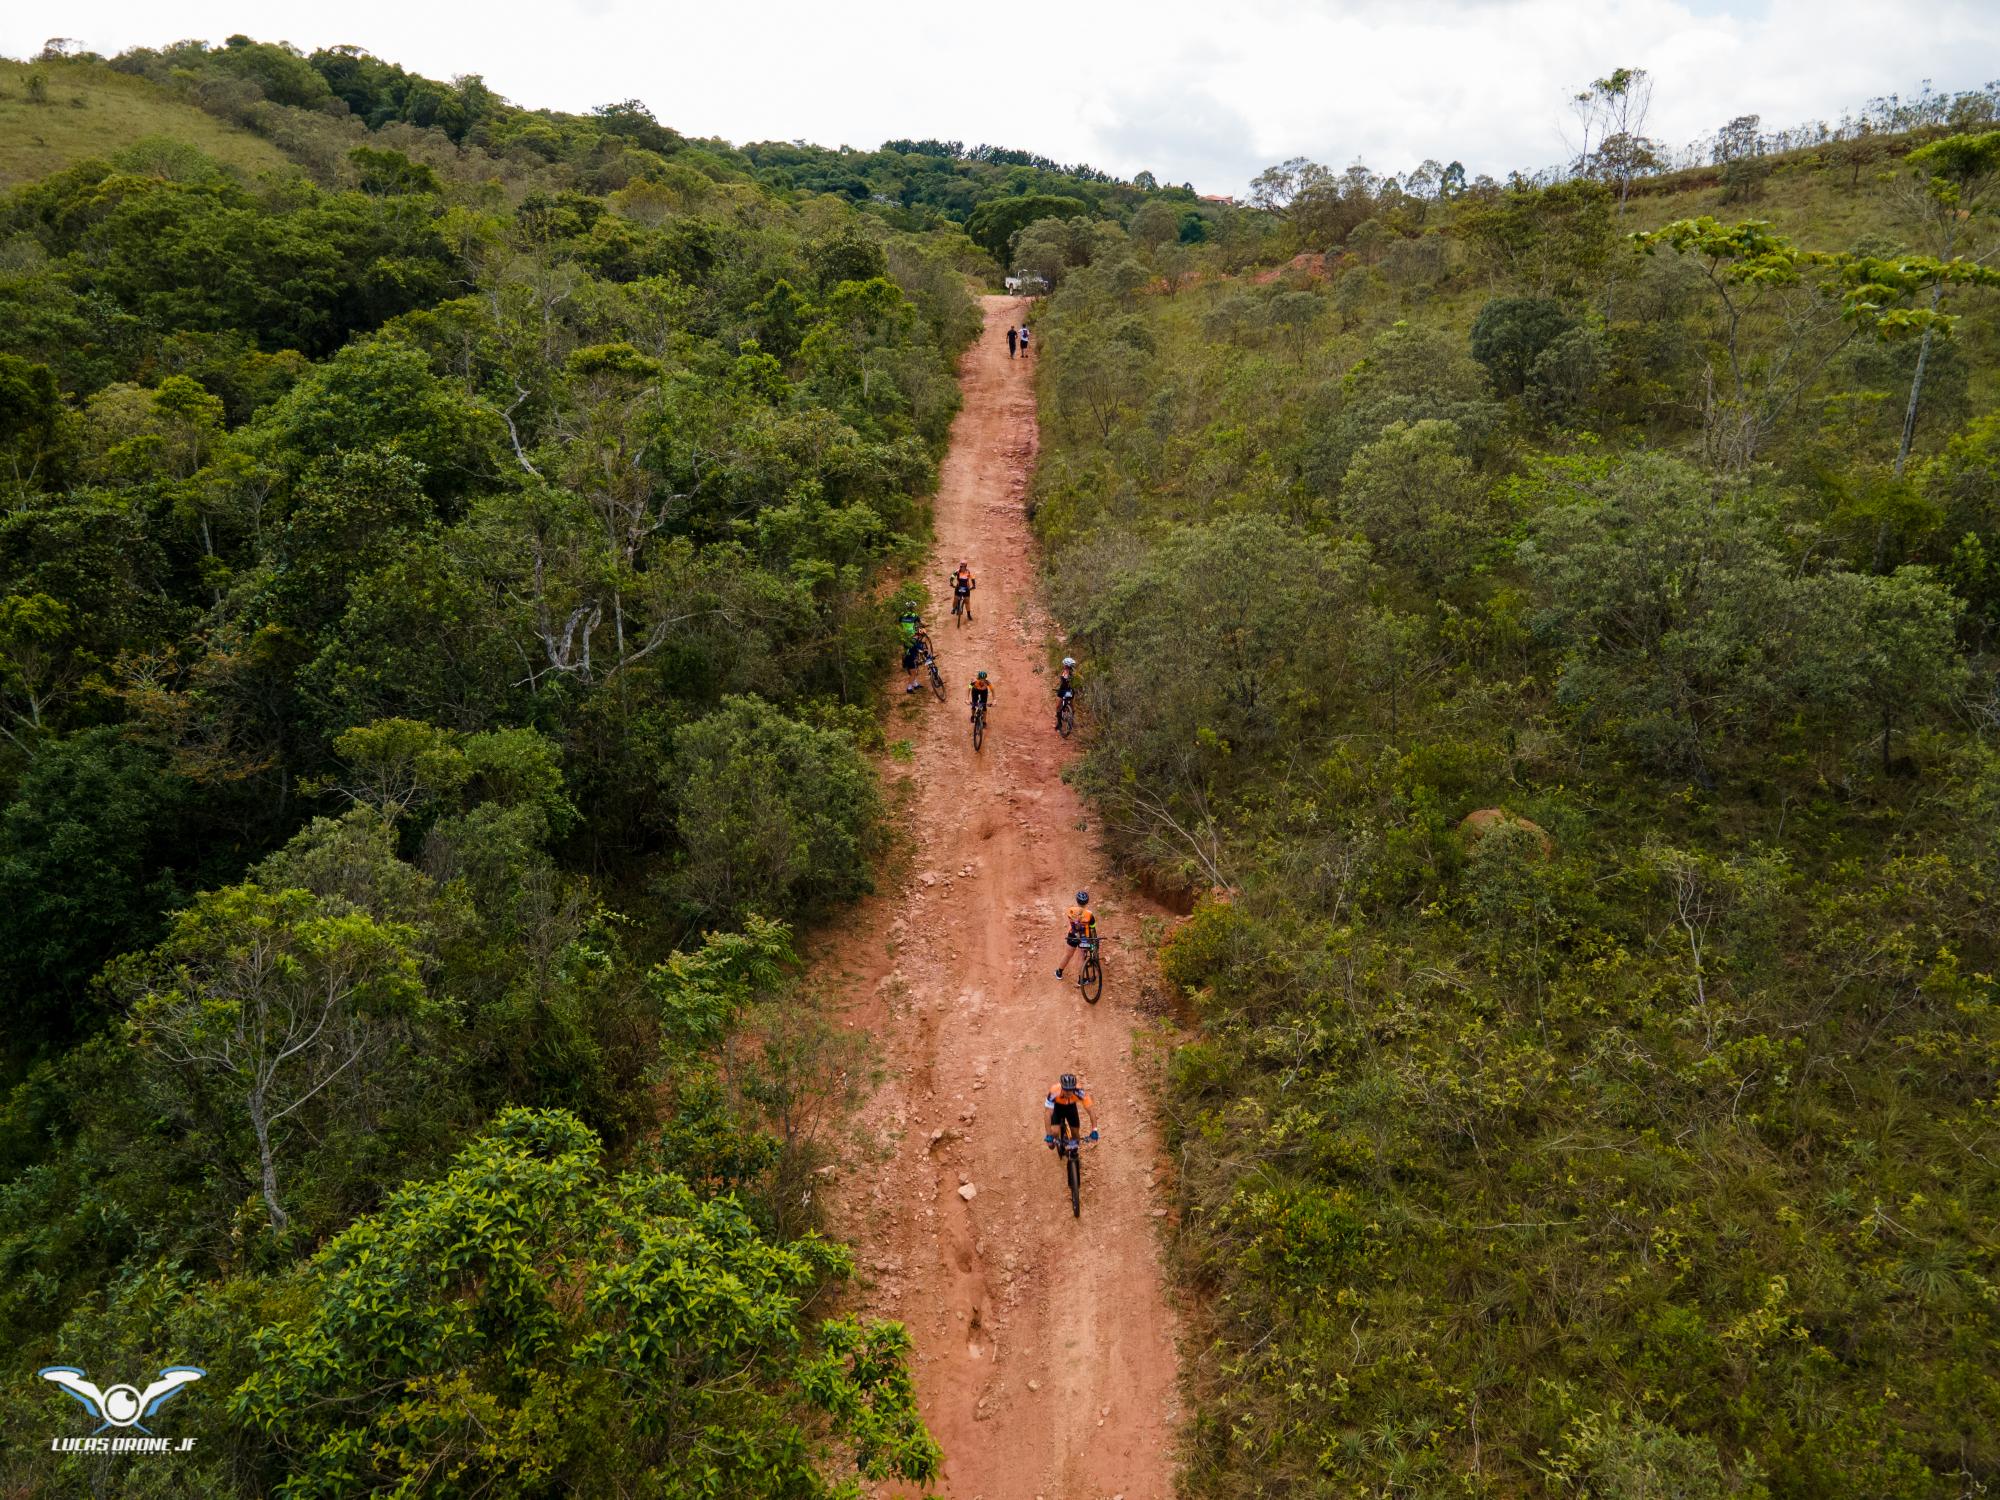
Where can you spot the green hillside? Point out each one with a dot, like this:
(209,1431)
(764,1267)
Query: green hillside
(1573,722)
(56,113)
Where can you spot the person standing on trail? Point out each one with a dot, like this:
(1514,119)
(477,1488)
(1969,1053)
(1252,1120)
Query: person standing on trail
(1013,338)
(962,585)
(910,625)
(1065,687)
(1082,926)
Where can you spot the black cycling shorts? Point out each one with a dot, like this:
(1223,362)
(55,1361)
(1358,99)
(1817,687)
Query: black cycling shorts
(1076,940)
(1065,1115)
(911,656)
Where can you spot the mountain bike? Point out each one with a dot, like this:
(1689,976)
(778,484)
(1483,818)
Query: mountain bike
(1090,978)
(1066,716)
(1069,1146)
(961,607)
(937,678)
(978,725)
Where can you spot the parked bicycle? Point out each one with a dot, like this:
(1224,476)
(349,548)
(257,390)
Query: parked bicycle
(1090,978)
(937,677)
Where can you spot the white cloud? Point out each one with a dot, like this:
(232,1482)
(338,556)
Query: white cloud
(1186,88)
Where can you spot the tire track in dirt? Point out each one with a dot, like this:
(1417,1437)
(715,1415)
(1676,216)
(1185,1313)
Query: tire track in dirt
(1045,1359)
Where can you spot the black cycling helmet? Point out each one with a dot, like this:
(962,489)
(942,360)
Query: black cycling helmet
(1083,898)
(1069,1081)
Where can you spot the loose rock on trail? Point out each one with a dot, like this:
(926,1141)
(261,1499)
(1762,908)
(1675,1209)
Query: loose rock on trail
(1044,1344)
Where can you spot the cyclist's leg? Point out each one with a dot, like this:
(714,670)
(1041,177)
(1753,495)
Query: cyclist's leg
(1066,1123)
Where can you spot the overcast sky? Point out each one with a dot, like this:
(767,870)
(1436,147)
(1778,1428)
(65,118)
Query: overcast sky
(1204,92)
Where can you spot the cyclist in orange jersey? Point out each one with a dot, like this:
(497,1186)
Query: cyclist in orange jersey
(1082,926)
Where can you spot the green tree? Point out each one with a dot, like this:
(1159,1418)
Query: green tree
(98,842)
(774,816)
(1956,178)
(1886,649)
(1566,376)
(1419,501)
(1156,223)
(30,412)
(380,393)
(527,1324)
(1510,334)
(1551,242)
(271,1000)
(1821,302)
(994,223)
(1295,315)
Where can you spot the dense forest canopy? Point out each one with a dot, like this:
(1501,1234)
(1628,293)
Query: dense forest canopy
(430,601)
(1546,630)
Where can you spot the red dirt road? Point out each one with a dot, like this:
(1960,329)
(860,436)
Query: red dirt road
(1045,1358)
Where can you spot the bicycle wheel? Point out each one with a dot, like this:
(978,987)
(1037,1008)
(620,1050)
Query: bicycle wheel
(1073,1168)
(958,610)
(1091,979)
(978,728)
(937,680)
(1066,719)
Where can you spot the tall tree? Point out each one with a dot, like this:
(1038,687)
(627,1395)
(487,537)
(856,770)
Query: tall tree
(1613,110)
(270,999)
(1955,180)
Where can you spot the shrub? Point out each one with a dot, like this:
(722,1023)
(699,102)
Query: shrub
(775,816)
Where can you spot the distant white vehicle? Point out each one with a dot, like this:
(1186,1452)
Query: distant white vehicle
(1029,283)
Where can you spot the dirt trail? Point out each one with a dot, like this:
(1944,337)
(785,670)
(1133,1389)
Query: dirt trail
(1044,1345)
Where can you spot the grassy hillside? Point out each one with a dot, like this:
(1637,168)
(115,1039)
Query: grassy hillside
(85,109)
(1587,770)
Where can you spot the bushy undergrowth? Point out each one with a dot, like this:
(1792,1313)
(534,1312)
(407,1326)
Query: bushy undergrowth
(1636,1137)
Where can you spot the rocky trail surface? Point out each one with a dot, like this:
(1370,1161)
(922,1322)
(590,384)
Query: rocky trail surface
(1045,1358)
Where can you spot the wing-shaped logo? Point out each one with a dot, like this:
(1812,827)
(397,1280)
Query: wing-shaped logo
(123,1405)
(173,1380)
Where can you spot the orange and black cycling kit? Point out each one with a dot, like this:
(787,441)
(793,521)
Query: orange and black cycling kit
(1082,924)
(1063,1103)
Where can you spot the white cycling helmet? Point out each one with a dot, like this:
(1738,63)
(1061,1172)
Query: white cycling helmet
(1069,661)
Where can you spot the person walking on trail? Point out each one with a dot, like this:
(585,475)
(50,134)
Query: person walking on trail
(1024,341)
(1065,687)
(1013,338)
(1082,926)
(1060,1108)
(916,641)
